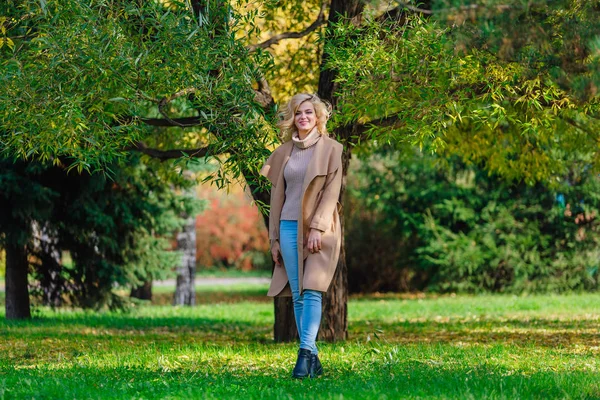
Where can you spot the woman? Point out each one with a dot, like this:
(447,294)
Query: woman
(304,222)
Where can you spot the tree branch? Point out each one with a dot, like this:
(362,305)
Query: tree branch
(263,94)
(576,125)
(398,12)
(181,93)
(360,130)
(171,154)
(292,35)
(160,122)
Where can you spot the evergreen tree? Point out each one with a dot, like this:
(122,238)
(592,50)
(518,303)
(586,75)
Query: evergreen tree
(116,229)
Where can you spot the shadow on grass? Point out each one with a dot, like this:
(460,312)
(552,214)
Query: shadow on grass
(112,325)
(538,332)
(205,379)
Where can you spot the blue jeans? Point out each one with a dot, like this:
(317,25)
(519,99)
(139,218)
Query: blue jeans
(307,306)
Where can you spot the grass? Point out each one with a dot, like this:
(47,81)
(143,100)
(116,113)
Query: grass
(478,347)
(218,293)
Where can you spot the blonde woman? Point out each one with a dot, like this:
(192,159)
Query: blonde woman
(304,222)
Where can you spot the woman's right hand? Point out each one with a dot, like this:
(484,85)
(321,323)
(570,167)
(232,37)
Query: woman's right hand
(276,253)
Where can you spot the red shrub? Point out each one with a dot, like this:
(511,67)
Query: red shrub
(230,232)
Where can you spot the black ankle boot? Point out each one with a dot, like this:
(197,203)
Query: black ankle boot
(301,370)
(316,369)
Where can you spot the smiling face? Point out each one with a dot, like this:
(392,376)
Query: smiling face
(305,118)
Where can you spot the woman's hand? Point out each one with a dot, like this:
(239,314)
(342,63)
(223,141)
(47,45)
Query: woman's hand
(276,253)
(313,243)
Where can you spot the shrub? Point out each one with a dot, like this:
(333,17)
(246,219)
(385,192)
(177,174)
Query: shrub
(231,232)
(416,223)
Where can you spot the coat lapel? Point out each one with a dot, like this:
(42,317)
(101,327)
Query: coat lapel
(318,163)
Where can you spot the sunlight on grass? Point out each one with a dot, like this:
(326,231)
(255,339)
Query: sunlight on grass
(438,347)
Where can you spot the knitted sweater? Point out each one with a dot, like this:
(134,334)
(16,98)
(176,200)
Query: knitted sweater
(294,172)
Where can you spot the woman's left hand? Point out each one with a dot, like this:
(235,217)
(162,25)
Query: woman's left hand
(313,243)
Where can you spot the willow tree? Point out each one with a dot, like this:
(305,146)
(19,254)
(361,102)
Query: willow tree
(94,80)
(509,85)
(179,80)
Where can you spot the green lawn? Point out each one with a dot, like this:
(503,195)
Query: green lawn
(538,347)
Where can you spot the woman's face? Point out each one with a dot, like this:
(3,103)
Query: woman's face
(305,118)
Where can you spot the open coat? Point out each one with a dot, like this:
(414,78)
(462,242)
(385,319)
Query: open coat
(319,209)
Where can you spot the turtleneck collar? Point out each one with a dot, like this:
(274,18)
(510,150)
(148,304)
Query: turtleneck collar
(312,138)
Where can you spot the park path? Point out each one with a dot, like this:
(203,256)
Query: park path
(217,281)
(202,282)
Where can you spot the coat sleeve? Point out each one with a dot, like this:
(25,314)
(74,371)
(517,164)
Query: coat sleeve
(331,192)
(268,171)
(273,225)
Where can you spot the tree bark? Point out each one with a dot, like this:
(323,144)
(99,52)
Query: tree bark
(143,292)
(185,292)
(334,323)
(340,9)
(285,324)
(46,247)
(17,293)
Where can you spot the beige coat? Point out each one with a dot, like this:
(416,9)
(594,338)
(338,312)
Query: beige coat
(320,210)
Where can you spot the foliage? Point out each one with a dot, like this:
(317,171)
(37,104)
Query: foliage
(114,230)
(231,233)
(454,76)
(423,347)
(295,63)
(446,226)
(81,77)
(465,82)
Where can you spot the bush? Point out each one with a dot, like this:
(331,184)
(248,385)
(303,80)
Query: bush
(415,223)
(231,233)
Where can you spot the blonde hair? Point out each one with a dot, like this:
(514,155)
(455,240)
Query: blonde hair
(287,125)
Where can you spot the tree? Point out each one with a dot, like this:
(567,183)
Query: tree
(199,70)
(185,290)
(115,231)
(33,202)
(509,85)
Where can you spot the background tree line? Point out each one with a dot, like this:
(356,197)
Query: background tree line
(441,225)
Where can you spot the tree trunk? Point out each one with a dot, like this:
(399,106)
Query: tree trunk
(46,247)
(185,293)
(285,324)
(17,293)
(143,292)
(334,323)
